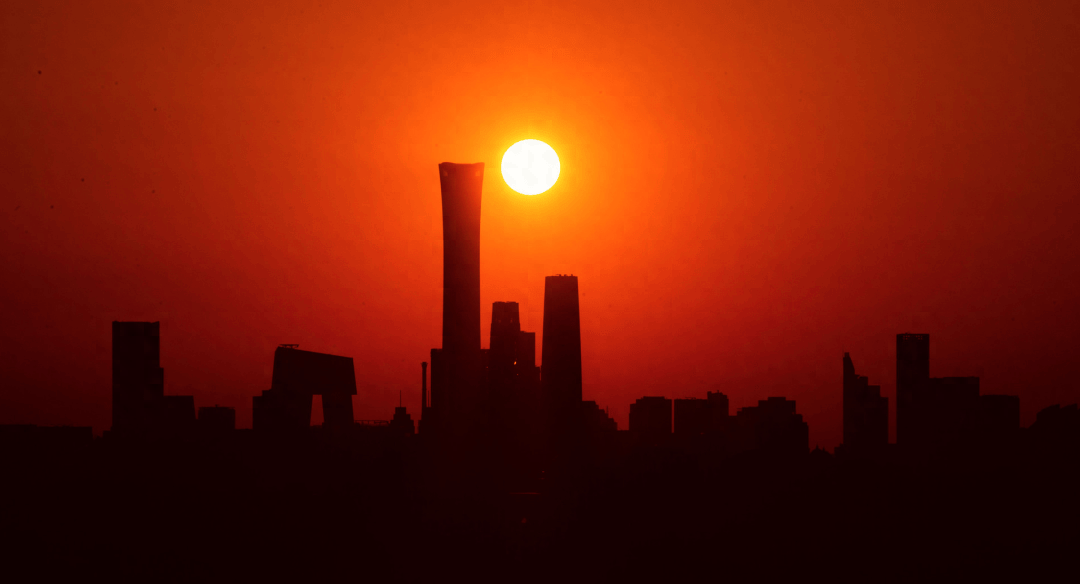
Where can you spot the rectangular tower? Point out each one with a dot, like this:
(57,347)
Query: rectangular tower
(138,381)
(505,336)
(560,369)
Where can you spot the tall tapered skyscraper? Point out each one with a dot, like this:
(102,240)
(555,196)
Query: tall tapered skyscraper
(560,370)
(460,359)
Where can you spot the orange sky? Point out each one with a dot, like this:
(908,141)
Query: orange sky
(748,189)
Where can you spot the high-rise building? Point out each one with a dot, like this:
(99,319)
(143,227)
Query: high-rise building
(138,381)
(866,412)
(560,371)
(460,377)
(505,338)
(912,372)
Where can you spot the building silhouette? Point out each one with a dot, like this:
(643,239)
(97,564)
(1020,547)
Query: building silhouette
(456,385)
(691,416)
(513,401)
(138,381)
(719,411)
(595,420)
(217,420)
(139,403)
(299,375)
(402,422)
(650,416)
(946,412)
(560,372)
(696,417)
(865,411)
(999,418)
(772,427)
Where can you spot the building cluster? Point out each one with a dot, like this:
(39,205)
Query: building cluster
(139,404)
(771,427)
(932,413)
(498,401)
(497,398)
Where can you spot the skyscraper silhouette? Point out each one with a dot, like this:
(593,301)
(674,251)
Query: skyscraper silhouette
(912,372)
(138,381)
(455,376)
(866,412)
(505,337)
(560,370)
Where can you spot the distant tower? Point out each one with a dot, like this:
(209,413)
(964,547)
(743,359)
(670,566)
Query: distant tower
(505,338)
(912,374)
(560,369)
(866,412)
(138,381)
(459,368)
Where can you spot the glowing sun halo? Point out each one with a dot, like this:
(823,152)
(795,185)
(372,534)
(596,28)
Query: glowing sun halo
(530,167)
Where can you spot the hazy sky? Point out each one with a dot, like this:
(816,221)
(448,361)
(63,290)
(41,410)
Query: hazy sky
(748,190)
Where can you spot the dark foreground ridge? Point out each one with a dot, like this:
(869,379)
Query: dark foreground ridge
(509,474)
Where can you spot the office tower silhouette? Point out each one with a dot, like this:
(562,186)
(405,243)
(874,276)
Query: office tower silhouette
(459,378)
(865,411)
(217,420)
(139,403)
(691,416)
(297,376)
(138,381)
(560,371)
(772,427)
(650,416)
(503,351)
(912,371)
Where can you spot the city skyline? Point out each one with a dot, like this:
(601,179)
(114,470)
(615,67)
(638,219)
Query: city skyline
(746,190)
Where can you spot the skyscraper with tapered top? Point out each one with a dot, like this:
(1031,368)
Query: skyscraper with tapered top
(456,394)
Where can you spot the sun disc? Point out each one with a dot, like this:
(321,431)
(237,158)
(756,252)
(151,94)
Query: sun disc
(530,167)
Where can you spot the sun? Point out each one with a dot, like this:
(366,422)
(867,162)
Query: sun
(530,167)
